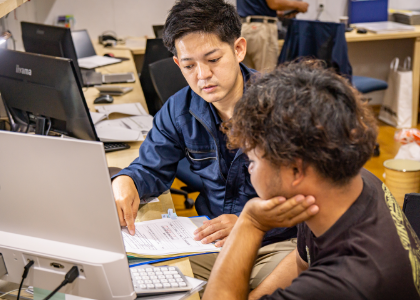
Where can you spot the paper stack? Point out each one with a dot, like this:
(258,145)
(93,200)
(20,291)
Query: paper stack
(164,239)
(408,17)
(129,129)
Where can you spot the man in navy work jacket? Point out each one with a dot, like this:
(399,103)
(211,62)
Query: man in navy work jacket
(204,36)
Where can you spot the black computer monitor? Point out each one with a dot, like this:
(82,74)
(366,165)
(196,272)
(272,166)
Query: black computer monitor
(43,89)
(50,40)
(82,43)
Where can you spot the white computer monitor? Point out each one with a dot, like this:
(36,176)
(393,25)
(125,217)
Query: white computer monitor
(57,208)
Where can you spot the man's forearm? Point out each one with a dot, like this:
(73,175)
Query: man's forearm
(282,4)
(229,278)
(281,277)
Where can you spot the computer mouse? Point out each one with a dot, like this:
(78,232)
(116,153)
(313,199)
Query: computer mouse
(109,55)
(361,30)
(104,99)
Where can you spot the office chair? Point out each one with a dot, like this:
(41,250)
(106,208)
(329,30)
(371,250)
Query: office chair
(411,209)
(326,41)
(155,50)
(158,31)
(167,80)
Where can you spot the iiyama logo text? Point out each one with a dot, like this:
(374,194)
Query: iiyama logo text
(39,31)
(23,71)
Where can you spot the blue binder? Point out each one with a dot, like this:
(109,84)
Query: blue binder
(362,11)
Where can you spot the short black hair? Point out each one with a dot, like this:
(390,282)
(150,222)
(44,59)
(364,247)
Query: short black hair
(303,111)
(205,16)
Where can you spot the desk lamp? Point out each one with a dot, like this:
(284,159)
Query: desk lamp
(4,37)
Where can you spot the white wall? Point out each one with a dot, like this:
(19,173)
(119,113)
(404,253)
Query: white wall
(136,17)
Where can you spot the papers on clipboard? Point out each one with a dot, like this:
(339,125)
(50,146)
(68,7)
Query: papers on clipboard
(163,238)
(129,129)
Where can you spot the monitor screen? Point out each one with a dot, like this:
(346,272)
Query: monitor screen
(34,86)
(50,40)
(82,44)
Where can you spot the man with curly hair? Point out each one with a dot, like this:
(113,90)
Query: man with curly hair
(307,132)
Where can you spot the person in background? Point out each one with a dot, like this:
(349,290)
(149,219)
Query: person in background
(306,131)
(259,28)
(204,36)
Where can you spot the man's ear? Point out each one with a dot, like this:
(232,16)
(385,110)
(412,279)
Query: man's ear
(176,60)
(239,48)
(298,172)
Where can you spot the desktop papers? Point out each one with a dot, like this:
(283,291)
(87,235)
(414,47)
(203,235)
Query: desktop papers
(164,238)
(125,129)
(96,61)
(384,27)
(129,129)
(132,109)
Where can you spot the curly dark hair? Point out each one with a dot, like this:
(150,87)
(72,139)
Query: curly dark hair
(301,110)
(205,16)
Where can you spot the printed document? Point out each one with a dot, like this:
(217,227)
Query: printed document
(164,237)
(129,129)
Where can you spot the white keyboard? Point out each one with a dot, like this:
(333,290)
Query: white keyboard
(148,280)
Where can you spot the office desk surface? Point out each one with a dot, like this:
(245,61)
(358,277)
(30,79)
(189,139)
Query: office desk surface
(137,45)
(7,6)
(123,158)
(353,36)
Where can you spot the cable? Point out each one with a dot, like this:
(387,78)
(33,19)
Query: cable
(24,275)
(8,293)
(69,278)
(320,10)
(49,126)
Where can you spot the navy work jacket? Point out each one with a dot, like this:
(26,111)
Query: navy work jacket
(185,127)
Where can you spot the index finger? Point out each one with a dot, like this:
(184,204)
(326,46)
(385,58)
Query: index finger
(272,203)
(203,227)
(294,202)
(129,219)
(206,224)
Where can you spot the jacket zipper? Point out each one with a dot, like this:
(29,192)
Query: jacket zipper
(195,151)
(199,159)
(217,144)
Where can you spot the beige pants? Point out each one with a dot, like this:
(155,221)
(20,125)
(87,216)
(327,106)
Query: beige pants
(268,258)
(262,45)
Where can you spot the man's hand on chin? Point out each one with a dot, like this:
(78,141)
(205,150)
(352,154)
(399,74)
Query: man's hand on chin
(217,229)
(279,212)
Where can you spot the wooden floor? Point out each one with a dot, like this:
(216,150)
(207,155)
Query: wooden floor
(388,149)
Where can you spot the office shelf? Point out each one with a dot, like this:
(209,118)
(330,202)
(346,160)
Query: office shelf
(7,6)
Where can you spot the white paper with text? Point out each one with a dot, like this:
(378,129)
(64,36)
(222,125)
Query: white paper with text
(165,237)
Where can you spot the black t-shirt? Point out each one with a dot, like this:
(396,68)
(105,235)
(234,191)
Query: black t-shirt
(371,252)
